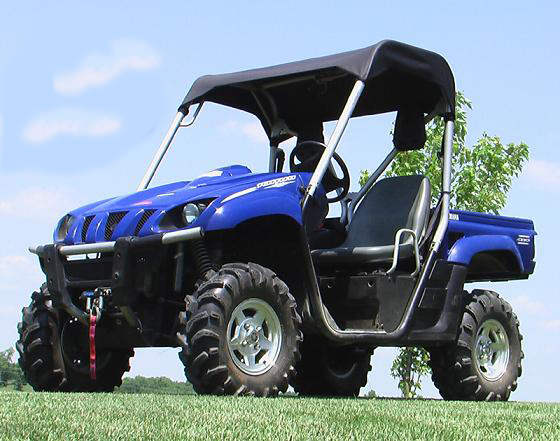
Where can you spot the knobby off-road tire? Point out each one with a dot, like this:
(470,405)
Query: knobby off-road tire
(42,360)
(222,314)
(329,370)
(484,363)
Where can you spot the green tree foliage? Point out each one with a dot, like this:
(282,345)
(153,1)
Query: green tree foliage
(481,178)
(481,175)
(154,385)
(10,372)
(409,366)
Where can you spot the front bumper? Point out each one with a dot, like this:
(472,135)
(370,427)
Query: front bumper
(126,265)
(108,247)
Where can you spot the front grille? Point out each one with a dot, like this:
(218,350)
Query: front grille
(85,227)
(112,222)
(145,216)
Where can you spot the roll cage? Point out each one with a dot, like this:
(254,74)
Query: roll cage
(350,82)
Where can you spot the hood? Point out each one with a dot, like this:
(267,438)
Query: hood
(140,213)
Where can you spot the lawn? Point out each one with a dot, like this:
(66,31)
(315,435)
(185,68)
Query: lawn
(26,415)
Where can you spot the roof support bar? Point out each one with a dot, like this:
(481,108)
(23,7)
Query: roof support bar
(446,185)
(333,140)
(272,157)
(161,151)
(164,146)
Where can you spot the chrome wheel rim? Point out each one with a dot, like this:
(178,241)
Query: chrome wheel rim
(491,350)
(254,336)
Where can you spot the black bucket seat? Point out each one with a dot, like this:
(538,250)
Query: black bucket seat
(391,204)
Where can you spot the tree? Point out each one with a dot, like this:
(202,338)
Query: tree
(481,178)
(154,385)
(409,366)
(10,372)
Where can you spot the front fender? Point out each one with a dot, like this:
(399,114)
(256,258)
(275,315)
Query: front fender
(249,204)
(466,248)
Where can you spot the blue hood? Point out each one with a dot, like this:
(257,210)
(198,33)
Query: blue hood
(140,213)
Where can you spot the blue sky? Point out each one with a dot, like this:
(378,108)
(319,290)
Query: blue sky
(87,93)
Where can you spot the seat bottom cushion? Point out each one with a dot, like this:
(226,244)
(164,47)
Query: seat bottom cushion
(345,256)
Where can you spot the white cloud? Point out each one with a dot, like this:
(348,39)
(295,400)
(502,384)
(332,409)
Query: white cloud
(251,131)
(98,69)
(75,122)
(255,132)
(16,272)
(15,264)
(552,325)
(544,173)
(36,203)
(525,303)
(0,133)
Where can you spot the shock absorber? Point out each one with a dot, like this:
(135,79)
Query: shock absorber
(201,257)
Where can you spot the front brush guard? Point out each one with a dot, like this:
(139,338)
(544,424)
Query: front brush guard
(127,251)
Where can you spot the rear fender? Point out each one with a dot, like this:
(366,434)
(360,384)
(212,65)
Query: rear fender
(466,248)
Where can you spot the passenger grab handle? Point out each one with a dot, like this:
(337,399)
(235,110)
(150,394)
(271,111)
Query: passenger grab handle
(396,251)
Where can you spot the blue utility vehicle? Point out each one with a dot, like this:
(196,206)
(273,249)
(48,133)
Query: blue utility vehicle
(245,273)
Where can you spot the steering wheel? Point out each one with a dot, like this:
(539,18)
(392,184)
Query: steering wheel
(308,153)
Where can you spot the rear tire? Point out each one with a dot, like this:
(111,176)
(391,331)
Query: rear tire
(329,370)
(41,357)
(240,334)
(485,361)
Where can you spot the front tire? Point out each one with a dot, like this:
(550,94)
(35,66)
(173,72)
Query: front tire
(240,333)
(331,371)
(44,363)
(485,361)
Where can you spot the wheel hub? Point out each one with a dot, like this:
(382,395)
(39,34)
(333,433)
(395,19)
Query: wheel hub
(254,336)
(491,350)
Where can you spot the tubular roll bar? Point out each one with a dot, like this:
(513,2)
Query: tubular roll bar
(326,323)
(334,139)
(272,157)
(164,146)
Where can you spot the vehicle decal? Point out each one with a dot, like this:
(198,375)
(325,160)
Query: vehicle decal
(277,181)
(239,193)
(523,239)
(273,183)
(453,216)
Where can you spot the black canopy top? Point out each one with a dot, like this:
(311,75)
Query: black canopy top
(289,96)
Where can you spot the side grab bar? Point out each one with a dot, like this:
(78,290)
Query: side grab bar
(396,252)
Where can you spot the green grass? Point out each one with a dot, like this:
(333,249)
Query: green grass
(117,417)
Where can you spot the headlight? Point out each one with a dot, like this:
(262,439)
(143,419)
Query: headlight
(183,215)
(64,226)
(190,213)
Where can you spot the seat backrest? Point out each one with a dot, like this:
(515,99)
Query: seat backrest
(391,204)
